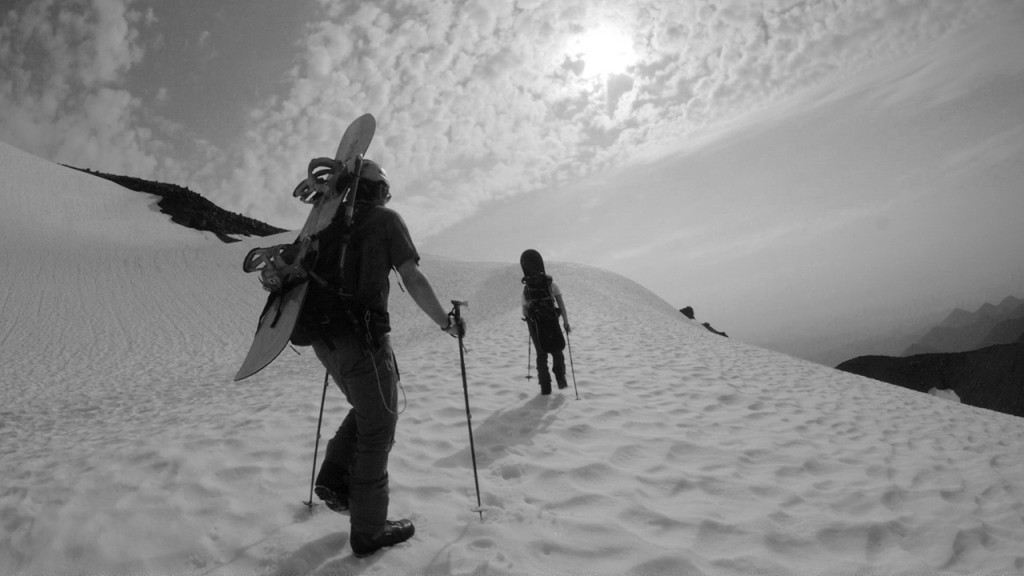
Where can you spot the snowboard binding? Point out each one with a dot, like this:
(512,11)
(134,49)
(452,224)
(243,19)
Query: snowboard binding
(323,179)
(281,266)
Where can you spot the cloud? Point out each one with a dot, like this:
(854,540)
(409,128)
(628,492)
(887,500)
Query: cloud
(114,48)
(476,101)
(104,135)
(62,96)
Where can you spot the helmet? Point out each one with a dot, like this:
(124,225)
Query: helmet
(374,181)
(373,172)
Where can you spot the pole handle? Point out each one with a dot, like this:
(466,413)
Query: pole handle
(456,313)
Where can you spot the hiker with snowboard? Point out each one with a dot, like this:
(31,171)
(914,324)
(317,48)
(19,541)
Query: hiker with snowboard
(542,306)
(345,319)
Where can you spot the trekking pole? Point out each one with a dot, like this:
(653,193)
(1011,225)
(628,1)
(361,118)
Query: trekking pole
(465,389)
(316,449)
(571,366)
(529,353)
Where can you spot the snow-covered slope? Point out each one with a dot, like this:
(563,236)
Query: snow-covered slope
(126,448)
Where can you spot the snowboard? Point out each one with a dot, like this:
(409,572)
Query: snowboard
(281,312)
(542,311)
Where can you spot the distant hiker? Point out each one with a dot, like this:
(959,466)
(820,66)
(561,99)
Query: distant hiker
(542,305)
(350,337)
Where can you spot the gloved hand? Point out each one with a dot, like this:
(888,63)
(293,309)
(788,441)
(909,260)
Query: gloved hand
(455,328)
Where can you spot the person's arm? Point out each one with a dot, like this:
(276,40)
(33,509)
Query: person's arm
(563,312)
(423,294)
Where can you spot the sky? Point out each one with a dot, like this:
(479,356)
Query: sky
(780,166)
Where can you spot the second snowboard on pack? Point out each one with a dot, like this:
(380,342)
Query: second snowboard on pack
(542,310)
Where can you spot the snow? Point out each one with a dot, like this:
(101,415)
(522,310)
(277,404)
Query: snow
(945,394)
(125,448)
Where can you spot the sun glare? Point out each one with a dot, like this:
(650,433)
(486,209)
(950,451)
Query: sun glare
(603,50)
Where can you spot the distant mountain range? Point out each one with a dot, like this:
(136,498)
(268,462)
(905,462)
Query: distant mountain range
(963,331)
(978,355)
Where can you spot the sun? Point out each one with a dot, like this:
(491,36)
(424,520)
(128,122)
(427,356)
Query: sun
(604,50)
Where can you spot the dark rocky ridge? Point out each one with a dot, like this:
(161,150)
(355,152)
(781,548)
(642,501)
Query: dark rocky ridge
(990,377)
(688,312)
(191,210)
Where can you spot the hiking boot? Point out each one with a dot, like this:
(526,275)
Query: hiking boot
(337,501)
(393,533)
(562,384)
(545,388)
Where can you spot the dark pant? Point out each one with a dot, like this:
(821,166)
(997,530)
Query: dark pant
(358,453)
(557,361)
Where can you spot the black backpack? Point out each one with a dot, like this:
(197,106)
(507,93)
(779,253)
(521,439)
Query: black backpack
(331,307)
(542,312)
(537,290)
